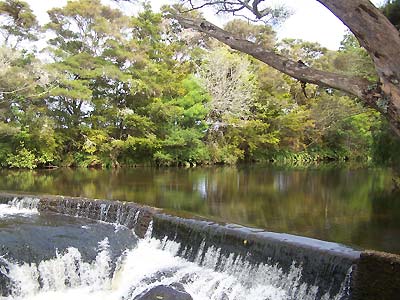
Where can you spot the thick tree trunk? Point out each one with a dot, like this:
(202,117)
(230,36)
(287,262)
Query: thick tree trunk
(382,41)
(375,33)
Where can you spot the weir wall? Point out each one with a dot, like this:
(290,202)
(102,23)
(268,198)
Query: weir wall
(369,275)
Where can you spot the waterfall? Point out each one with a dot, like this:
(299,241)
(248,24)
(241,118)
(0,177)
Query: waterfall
(313,269)
(119,213)
(19,206)
(208,260)
(65,275)
(152,263)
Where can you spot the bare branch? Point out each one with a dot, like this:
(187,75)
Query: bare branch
(352,85)
(247,8)
(373,30)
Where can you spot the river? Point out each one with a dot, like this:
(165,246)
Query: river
(356,207)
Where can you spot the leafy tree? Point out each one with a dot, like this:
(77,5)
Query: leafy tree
(391,9)
(122,91)
(18,22)
(382,43)
(22,80)
(85,26)
(354,60)
(85,31)
(23,159)
(299,50)
(23,113)
(259,34)
(184,126)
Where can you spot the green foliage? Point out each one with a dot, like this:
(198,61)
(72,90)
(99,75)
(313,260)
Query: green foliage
(260,34)
(184,125)
(123,91)
(225,153)
(181,146)
(391,10)
(352,59)
(135,150)
(18,23)
(385,146)
(307,52)
(302,158)
(5,152)
(241,141)
(22,159)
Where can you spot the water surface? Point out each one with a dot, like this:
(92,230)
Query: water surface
(45,256)
(356,207)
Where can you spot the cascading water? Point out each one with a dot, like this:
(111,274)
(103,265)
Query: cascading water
(66,274)
(25,206)
(153,263)
(146,264)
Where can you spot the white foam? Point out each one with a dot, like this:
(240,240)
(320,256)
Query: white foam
(20,207)
(6,211)
(149,264)
(212,275)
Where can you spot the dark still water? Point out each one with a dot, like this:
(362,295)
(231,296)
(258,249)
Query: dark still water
(354,207)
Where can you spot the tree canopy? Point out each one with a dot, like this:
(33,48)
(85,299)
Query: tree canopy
(18,22)
(118,90)
(375,33)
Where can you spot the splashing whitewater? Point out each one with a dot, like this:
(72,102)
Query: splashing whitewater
(20,207)
(152,263)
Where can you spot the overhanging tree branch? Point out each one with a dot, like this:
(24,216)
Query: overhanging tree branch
(352,85)
(374,32)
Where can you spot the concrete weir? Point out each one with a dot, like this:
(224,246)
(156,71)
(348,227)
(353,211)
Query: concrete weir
(335,269)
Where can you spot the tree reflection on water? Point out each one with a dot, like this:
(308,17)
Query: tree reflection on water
(350,206)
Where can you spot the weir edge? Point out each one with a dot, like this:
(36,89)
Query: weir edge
(375,274)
